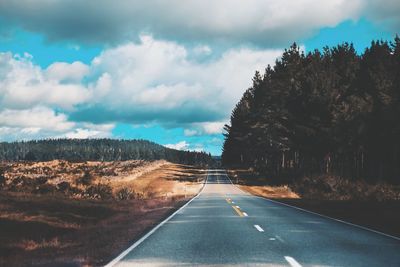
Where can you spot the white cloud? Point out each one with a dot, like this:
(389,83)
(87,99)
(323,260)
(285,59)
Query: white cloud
(25,85)
(103,85)
(65,72)
(152,81)
(85,133)
(35,118)
(156,81)
(190,132)
(256,21)
(205,128)
(182,145)
(201,50)
(89,130)
(213,127)
(42,122)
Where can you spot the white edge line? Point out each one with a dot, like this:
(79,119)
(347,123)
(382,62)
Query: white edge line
(292,262)
(318,214)
(246,193)
(258,228)
(137,243)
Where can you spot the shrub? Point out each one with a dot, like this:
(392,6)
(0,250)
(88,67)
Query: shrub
(45,189)
(125,194)
(67,189)
(86,179)
(2,178)
(22,184)
(99,191)
(41,180)
(64,186)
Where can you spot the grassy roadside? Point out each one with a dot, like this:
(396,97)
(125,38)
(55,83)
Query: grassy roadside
(57,230)
(379,213)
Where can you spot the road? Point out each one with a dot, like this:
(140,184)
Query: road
(225,226)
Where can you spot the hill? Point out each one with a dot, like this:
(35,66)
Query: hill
(97,150)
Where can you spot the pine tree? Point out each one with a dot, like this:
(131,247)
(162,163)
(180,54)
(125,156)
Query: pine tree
(332,112)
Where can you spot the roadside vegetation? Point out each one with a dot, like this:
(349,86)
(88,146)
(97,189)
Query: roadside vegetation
(321,130)
(325,113)
(85,213)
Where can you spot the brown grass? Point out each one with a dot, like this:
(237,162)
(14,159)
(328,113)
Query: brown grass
(270,191)
(177,181)
(258,185)
(29,245)
(64,177)
(53,229)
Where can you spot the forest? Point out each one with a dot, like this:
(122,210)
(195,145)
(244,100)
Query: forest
(330,112)
(97,150)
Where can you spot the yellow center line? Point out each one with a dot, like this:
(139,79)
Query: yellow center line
(238,211)
(236,208)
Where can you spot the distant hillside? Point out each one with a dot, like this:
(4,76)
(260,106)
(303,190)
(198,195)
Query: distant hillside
(97,150)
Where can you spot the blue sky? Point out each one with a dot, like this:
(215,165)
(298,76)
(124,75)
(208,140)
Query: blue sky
(170,73)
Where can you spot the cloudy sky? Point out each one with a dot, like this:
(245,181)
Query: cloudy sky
(167,71)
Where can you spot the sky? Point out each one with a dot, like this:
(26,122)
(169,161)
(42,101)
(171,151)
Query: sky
(166,71)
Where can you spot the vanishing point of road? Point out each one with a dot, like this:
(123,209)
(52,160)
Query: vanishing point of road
(224,226)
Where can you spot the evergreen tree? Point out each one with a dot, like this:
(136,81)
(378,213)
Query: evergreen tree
(330,112)
(97,149)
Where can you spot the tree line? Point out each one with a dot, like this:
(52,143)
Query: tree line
(329,112)
(97,150)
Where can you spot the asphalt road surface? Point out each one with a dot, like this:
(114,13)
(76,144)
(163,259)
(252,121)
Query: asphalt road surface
(224,226)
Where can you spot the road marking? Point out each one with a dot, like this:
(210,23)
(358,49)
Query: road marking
(280,238)
(237,208)
(258,228)
(292,262)
(137,243)
(238,211)
(315,213)
(330,218)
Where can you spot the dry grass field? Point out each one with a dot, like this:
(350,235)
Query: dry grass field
(45,222)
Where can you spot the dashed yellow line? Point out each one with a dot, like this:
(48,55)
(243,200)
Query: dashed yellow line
(238,211)
(236,208)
